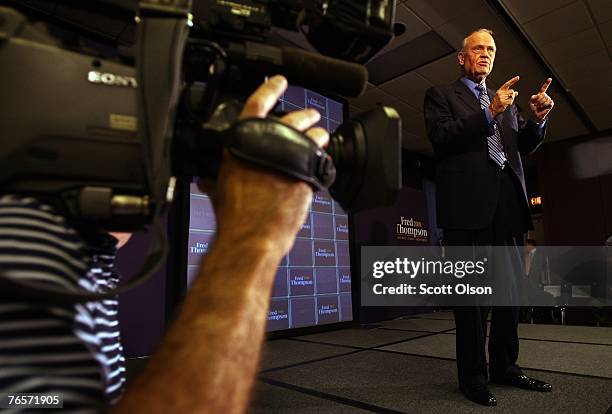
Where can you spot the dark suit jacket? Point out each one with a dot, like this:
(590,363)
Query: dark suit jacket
(466,179)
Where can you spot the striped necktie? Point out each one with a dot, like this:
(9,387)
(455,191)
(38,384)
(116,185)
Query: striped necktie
(494,142)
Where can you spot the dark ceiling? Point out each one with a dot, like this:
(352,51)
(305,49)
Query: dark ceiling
(568,40)
(571,41)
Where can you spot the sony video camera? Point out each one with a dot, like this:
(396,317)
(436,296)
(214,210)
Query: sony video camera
(104,141)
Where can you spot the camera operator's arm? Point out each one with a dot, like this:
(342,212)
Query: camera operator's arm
(208,360)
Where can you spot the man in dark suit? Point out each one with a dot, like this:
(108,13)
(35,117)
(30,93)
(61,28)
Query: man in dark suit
(478,138)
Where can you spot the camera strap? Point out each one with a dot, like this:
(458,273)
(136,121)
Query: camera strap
(282,148)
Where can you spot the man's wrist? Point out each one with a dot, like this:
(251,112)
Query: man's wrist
(539,122)
(232,265)
(489,115)
(492,112)
(257,243)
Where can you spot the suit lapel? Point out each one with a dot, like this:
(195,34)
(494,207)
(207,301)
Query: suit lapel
(464,93)
(500,122)
(491,93)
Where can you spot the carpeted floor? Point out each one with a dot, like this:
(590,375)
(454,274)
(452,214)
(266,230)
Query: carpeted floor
(408,366)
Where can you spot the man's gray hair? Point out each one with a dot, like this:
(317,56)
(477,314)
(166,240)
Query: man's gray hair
(481,30)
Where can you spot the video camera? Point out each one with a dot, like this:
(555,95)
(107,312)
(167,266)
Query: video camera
(104,142)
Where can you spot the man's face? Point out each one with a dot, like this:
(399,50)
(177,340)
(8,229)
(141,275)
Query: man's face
(478,55)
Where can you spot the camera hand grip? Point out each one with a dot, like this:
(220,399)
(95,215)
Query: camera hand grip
(274,145)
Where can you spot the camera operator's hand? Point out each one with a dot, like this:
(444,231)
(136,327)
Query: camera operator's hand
(254,202)
(207,362)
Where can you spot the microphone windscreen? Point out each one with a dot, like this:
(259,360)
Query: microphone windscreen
(315,71)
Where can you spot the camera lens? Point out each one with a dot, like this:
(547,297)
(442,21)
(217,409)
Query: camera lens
(366,153)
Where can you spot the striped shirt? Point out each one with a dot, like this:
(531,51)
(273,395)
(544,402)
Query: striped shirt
(72,350)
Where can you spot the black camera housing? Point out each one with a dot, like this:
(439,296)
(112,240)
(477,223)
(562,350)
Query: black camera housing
(85,153)
(95,138)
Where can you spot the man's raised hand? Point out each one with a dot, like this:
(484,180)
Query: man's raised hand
(541,104)
(504,97)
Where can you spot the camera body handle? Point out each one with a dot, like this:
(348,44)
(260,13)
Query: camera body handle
(273,145)
(265,142)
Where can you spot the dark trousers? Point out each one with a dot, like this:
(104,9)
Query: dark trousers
(507,229)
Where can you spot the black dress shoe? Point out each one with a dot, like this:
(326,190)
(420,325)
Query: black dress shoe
(525,382)
(480,394)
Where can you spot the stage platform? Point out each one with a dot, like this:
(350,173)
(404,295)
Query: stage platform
(408,366)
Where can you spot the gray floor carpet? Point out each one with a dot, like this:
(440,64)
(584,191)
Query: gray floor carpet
(419,324)
(413,384)
(584,359)
(407,366)
(281,353)
(362,338)
(270,399)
